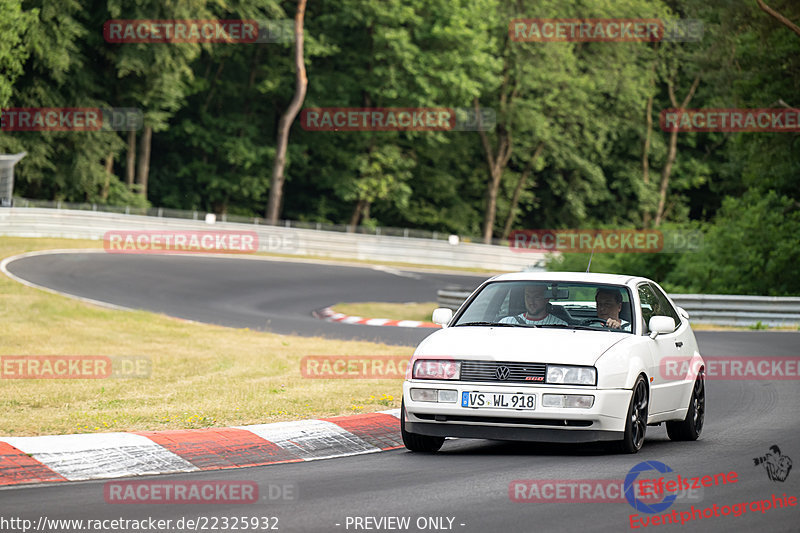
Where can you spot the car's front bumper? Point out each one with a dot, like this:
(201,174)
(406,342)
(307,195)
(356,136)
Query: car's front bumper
(605,420)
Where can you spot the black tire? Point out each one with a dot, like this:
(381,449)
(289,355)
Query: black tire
(415,442)
(691,427)
(636,420)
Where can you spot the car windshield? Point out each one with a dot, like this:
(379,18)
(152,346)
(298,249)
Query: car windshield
(550,304)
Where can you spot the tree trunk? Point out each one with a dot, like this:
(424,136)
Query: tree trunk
(213,87)
(647,140)
(777,16)
(130,167)
(356,217)
(301,83)
(673,148)
(109,171)
(512,212)
(144,161)
(646,156)
(496,163)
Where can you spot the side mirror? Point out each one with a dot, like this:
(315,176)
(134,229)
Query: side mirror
(660,324)
(683,312)
(442,316)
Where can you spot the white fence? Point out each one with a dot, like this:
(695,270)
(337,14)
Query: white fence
(718,309)
(77,224)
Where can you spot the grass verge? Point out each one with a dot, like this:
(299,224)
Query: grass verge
(202,375)
(394,311)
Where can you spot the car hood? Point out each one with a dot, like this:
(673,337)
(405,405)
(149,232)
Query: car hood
(541,345)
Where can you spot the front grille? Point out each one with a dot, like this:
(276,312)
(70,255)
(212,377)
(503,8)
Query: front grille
(517,372)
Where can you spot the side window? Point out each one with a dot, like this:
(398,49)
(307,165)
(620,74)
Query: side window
(654,303)
(647,301)
(664,307)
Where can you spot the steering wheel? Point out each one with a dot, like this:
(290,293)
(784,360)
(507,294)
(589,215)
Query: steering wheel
(592,320)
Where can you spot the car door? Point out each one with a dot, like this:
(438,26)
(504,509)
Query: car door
(665,390)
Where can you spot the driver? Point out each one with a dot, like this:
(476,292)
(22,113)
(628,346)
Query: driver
(536,305)
(609,305)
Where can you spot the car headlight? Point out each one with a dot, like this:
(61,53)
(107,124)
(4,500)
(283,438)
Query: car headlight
(571,375)
(435,369)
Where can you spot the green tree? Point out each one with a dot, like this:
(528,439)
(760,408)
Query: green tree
(752,248)
(14,25)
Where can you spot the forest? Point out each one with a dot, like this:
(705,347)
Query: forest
(558,133)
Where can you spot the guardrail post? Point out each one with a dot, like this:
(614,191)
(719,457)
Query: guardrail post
(160,211)
(7,163)
(405,233)
(194,215)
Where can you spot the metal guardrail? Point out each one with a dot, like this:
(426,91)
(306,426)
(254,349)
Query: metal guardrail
(717,309)
(733,310)
(451,299)
(165,212)
(75,224)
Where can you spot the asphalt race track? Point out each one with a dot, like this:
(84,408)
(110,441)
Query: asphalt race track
(468,481)
(277,296)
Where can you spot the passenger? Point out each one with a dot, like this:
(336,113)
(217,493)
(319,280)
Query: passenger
(536,305)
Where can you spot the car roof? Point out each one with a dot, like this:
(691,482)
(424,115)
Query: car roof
(611,279)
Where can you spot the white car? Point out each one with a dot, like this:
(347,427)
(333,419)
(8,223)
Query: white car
(556,357)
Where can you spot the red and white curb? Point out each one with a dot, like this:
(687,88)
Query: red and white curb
(111,455)
(329,315)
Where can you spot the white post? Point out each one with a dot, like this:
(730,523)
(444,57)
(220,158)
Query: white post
(7,163)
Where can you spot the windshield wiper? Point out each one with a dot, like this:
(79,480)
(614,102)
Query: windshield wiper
(499,324)
(568,326)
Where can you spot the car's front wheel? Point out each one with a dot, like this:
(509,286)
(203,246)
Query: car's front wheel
(414,441)
(636,420)
(691,427)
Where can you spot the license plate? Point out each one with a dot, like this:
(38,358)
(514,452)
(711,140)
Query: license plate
(498,400)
